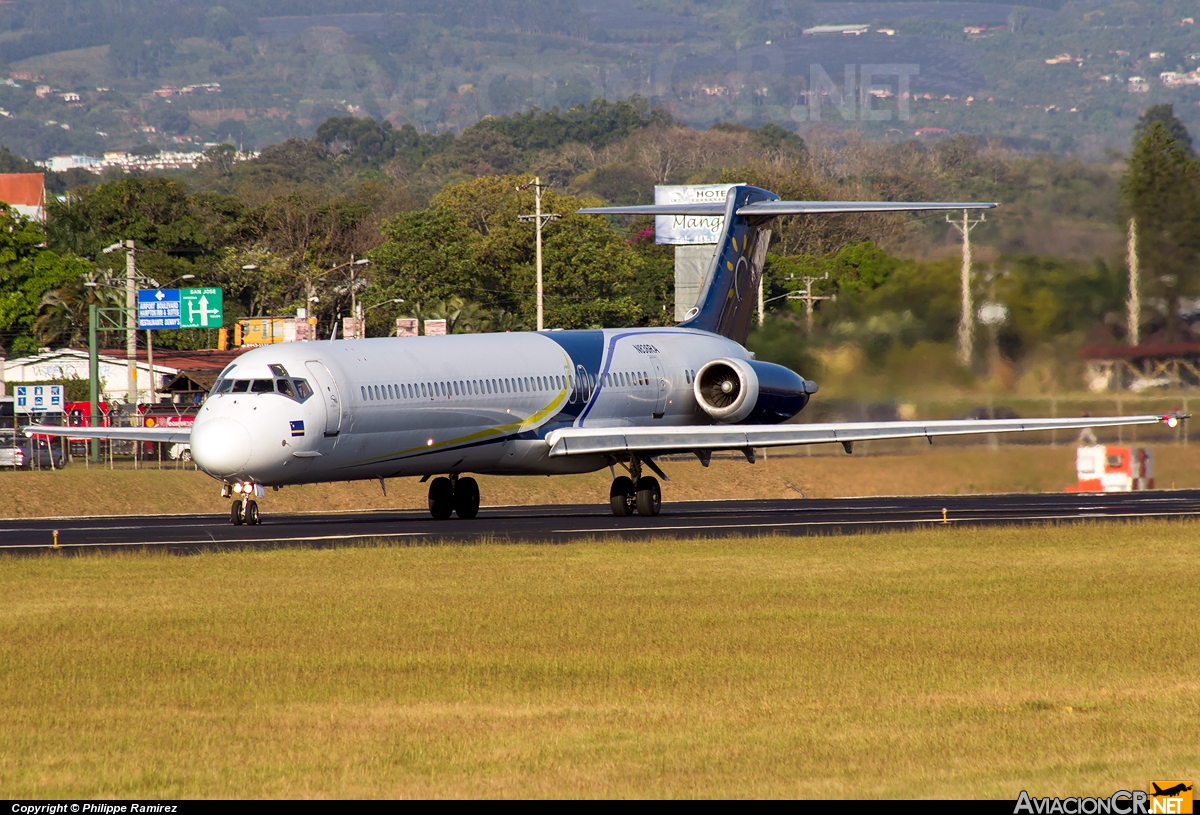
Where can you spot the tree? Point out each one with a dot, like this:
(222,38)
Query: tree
(1164,115)
(1162,194)
(471,244)
(28,271)
(428,256)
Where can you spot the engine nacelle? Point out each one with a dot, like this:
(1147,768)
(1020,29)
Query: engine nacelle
(749,391)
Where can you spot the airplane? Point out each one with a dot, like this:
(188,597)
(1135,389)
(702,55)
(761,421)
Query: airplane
(1170,792)
(537,403)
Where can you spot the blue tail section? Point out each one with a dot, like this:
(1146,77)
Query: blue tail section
(729,295)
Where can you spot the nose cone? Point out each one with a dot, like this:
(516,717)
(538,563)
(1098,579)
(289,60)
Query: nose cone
(220,447)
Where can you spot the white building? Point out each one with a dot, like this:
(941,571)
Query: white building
(71,363)
(60,164)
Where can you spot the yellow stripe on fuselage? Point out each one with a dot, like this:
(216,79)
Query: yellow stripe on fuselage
(531,421)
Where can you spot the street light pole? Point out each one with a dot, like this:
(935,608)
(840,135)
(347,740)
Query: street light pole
(354,303)
(94,377)
(539,221)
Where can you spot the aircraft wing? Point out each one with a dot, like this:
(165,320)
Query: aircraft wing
(163,435)
(577,441)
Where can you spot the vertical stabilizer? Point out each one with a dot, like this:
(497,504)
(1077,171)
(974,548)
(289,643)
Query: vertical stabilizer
(729,294)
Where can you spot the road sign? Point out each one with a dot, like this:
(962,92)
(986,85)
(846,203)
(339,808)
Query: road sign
(158,308)
(200,308)
(38,398)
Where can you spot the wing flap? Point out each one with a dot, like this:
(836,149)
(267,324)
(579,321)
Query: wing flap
(574,441)
(162,435)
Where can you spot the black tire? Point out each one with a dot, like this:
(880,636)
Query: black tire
(620,496)
(466,498)
(235,513)
(441,498)
(649,497)
(252,516)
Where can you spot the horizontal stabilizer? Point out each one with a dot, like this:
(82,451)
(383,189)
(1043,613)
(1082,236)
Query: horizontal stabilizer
(575,441)
(773,208)
(658,209)
(838,207)
(160,435)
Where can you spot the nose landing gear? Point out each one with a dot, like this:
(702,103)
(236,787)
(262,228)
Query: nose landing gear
(244,509)
(244,512)
(453,496)
(635,492)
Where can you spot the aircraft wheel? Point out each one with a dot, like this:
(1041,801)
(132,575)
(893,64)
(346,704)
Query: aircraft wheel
(649,497)
(252,517)
(235,513)
(620,496)
(441,498)
(466,498)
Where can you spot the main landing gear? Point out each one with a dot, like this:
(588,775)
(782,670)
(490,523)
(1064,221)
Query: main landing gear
(635,492)
(244,509)
(453,496)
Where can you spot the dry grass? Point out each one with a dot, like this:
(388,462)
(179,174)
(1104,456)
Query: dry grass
(942,662)
(911,470)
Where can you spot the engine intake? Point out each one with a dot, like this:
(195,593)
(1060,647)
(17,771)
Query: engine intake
(739,390)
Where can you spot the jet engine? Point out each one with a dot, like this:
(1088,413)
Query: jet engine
(748,391)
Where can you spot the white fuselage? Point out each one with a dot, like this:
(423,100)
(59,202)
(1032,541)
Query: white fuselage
(479,403)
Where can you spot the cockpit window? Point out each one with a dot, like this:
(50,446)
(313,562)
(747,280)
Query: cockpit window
(303,391)
(241,385)
(263,386)
(224,385)
(278,370)
(284,386)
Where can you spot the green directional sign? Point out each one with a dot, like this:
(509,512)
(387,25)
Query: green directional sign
(200,308)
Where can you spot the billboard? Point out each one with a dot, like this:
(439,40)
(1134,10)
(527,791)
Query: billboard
(180,308)
(689,229)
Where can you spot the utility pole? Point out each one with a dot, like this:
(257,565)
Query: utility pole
(131,320)
(806,294)
(354,304)
(540,220)
(1134,306)
(966,323)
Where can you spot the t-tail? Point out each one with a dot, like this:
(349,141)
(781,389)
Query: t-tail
(729,294)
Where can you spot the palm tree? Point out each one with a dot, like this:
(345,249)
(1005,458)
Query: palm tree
(63,312)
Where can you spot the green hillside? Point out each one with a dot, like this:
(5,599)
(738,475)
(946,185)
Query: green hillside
(282,68)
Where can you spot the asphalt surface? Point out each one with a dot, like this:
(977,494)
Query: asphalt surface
(560,524)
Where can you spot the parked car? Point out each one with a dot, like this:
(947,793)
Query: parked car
(22,453)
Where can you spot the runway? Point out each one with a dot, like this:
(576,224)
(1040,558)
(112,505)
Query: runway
(185,534)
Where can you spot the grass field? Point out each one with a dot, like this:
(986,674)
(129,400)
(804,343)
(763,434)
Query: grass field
(909,469)
(939,662)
